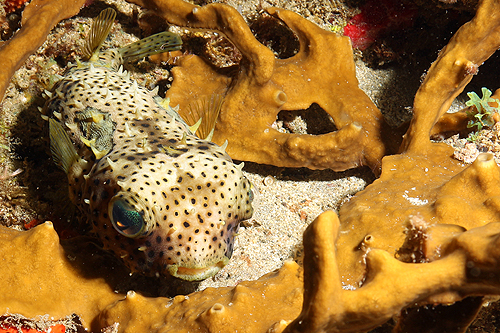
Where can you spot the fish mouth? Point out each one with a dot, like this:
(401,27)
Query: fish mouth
(196,274)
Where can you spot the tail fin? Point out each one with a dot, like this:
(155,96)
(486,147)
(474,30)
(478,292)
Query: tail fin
(159,43)
(98,32)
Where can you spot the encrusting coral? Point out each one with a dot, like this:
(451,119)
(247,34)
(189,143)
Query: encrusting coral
(56,281)
(269,303)
(329,308)
(352,280)
(321,72)
(424,178)
(41,270)
(455,66)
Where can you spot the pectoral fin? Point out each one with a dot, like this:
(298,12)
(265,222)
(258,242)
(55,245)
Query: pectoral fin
(62,149)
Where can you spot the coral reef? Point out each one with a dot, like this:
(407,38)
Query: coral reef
(39,17)
(18,323)
(41,270)
(455,66)
(12,5)
(436,188)
(274,299)
(427,215)
(329,308)
(420,177)
(56,280)
(265,85)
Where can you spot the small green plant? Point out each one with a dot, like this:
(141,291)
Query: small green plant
(482,113)
(337,28)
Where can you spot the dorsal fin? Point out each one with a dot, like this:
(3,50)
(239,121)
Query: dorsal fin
(61,147)
(98,32)
(159,43)
(193,128)
(207,110)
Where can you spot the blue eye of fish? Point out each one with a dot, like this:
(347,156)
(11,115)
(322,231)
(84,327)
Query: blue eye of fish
(126,220)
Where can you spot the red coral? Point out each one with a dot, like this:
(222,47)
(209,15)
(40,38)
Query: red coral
(376,18)
(31,224)
(12,5)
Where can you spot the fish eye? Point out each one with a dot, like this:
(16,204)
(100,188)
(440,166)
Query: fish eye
(125,219)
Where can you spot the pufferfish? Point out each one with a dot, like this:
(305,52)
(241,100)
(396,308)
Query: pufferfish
(160,198)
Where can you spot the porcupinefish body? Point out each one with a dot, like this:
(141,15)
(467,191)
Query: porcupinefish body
(160,198)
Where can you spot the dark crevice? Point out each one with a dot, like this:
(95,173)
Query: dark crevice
(313,120)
